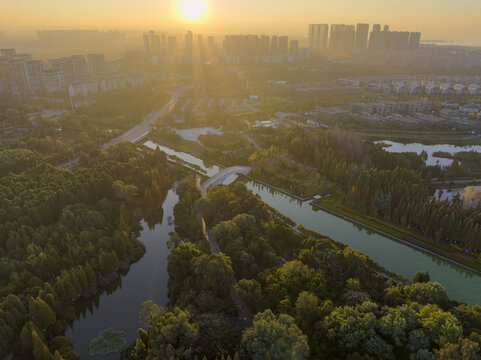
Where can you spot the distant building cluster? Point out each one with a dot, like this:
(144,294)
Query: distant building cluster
(112,82)
(275,49)
(233,49)
(22,75)
(410,114)
(345,39)
(429,85)
(80,38)
(390,107)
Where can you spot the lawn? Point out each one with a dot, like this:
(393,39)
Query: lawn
(298,180)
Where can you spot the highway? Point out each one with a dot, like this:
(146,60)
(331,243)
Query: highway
(140,131)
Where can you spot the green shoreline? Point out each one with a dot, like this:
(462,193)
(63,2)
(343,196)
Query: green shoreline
(410,241)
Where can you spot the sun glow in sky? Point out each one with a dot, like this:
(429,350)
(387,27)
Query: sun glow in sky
(192,10)
(436,19)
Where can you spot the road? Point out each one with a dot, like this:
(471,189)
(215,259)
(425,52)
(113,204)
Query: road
(457,182)
(138,132)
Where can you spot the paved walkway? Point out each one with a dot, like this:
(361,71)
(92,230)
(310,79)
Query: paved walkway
(244,313)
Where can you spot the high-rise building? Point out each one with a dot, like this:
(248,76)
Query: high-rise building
(342,38)
(96,64)
(399,40)
(414,40)
(264,45)
(274,45)
(375,38)
(283,45)
(294,49)
(53,81)
(8,53)
(157,45)
(79,66)
(70,68)
(147,49)
(211,46)
(318,37)
(152,41)
(163,43)
(171,45)
(4,83)
(33,70)
(390,40)
(16,76)
(200,45)
(362,34)
(189,44)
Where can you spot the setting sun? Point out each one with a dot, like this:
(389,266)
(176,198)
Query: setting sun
(192,9)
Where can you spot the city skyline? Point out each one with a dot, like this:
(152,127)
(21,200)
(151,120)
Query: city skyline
(456,23)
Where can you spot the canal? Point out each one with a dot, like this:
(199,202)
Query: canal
(461,284)
(119,306)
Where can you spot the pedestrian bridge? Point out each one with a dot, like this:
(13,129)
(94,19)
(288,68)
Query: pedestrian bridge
(219,178)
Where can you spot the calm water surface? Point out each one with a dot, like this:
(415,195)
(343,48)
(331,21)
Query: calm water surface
(461,284)
(395,147)
(119,307)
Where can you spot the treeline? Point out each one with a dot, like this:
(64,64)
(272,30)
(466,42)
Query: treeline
(121,109)
(274,167)
(313,298)
(399,196)
(17,160)
(64,235)
(391,186)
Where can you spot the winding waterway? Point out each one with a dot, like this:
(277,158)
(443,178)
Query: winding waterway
(119,307)
(461,284)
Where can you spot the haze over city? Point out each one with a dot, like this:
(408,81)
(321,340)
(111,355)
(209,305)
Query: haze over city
(240,180)
(438,20)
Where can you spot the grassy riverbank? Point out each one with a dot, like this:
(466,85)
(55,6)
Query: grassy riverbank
(411,238)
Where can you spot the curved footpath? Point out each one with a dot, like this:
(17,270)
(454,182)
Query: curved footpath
(244,313)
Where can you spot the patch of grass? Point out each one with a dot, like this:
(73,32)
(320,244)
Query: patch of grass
(293,178)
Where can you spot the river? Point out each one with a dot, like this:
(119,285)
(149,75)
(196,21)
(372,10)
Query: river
(119,307)
(460,284)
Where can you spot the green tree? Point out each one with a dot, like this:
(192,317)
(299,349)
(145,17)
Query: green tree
(41,313)
(250,292)
(172,333)
(441,327)
(40,350)
(422,277)
(124,192)
(279,336)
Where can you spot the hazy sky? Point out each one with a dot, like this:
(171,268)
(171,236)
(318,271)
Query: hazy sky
(443,19)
